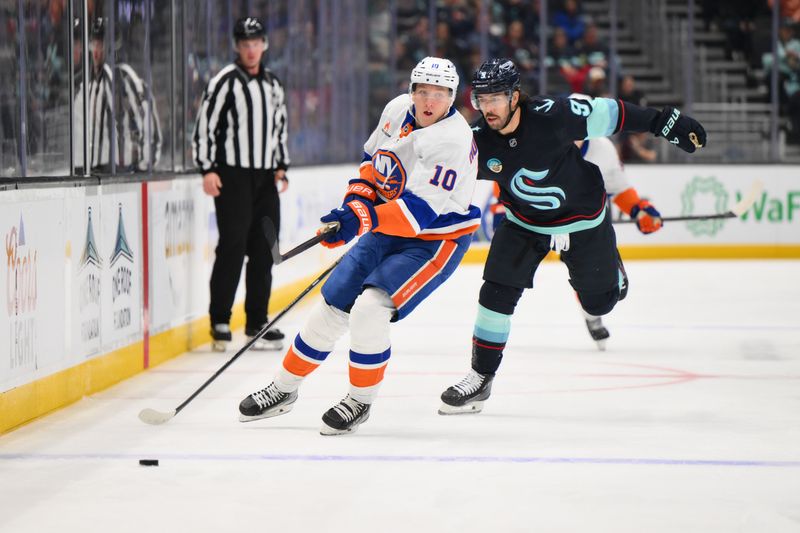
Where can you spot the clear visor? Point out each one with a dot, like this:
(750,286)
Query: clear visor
(485,101)
(434,95)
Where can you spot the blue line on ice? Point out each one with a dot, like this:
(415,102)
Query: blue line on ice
(404,459)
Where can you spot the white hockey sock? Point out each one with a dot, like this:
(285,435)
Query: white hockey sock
(311,347)
(364,394)
(370,344)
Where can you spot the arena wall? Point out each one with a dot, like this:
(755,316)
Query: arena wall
(103,282)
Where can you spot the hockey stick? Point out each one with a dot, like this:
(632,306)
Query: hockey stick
(736,211)
(272,240)
(153,417)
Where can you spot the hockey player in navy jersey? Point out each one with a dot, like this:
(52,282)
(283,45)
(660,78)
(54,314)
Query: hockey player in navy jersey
(411,207)
(602,152)
(554,199)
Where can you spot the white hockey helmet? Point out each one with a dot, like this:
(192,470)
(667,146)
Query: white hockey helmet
(435,71)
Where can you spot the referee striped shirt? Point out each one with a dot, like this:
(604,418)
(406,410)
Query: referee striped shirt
(138,128)
(242,122)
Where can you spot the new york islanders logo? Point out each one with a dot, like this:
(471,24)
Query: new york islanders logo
(390,176)
(544,198)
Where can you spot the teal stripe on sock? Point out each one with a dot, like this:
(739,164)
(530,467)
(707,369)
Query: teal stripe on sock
(603,118)
(492,326)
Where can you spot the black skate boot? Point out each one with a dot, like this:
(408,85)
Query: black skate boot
(271,340)
(598,332)
(468,395)
(266,403)
(220,337)
(344,417)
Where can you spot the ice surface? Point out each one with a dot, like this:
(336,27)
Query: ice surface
(690,421)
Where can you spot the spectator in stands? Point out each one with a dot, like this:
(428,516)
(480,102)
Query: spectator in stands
(416,42)
(570,19)
(561,55)
(460,18)
(525,11)
(595,85)
(522,50)
(790,9)
(629,93)
(789,70)
(408,13)
(737,21)
(445,46)
(593,51)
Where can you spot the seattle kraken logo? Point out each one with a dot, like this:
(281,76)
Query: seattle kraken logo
(545,198)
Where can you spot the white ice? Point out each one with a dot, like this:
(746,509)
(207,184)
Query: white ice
(689,422)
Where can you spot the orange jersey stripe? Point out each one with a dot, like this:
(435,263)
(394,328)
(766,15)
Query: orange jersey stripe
(296,365)
(392,221)
(362,377)
(425,274)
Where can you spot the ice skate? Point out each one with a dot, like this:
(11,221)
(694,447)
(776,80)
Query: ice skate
(271,340)
(598,332)
(344,417)
(468,395)
(266,403)
(220,337)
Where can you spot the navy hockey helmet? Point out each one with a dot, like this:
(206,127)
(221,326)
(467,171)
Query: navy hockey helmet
(249,28)
(499,75)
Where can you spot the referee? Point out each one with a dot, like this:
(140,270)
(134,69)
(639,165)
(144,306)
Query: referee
(138,129)
(240,146)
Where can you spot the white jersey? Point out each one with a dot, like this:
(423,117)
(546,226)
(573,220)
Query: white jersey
(601,152)
(424,177)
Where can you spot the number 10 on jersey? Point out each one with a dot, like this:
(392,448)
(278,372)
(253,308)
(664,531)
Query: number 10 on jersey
(448,181)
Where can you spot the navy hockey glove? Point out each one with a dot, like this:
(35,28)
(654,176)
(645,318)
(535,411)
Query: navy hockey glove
(359,189)
(679,129)
(355,218)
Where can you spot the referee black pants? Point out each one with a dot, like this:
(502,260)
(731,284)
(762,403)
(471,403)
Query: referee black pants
(246,197)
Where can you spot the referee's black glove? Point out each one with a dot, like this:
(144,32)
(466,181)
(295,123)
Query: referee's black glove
(679,129)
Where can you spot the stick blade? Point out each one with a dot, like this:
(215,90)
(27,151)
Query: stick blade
(272,240)
(155,418)
(748,199)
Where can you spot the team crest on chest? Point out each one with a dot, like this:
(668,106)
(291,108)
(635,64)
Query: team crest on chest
(524,187)
(390,176)
(495,165)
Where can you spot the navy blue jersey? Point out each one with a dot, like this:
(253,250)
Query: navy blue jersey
(545,184)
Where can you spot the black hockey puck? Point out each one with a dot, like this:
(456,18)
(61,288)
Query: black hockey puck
(148,462)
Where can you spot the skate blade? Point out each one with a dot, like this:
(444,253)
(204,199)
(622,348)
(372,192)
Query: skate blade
(472,408)
(219,346)
(282,410)
(601,345)
(267,346)
(329,431)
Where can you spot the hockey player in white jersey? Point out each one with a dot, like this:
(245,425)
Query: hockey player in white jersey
(601,152)
(411,207)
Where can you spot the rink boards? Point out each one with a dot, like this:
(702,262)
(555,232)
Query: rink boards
(102,282)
